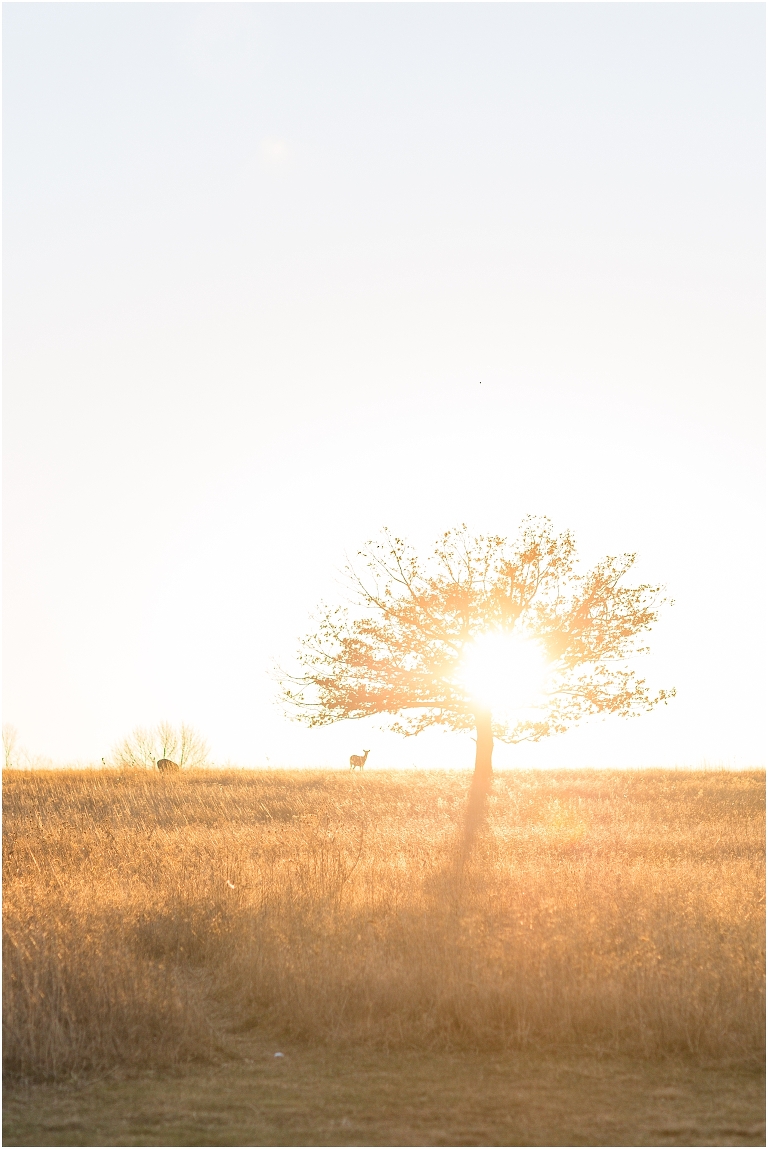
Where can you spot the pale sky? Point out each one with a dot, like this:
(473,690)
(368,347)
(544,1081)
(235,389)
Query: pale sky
(257,261)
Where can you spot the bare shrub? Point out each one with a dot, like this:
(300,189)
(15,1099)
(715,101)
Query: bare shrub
(615,910)
(145,747)
(17,757)
(10,745)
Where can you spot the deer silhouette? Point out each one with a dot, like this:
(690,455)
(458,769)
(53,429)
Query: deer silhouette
(164,764)
(357,761)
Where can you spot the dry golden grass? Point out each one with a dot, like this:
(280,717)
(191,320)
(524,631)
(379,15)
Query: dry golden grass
(147,916)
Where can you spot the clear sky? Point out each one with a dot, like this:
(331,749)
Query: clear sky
(276,276)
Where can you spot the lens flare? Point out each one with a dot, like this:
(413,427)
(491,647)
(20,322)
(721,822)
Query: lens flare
(503,672)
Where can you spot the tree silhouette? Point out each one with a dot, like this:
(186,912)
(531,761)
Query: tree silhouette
(400,646)
(142,748)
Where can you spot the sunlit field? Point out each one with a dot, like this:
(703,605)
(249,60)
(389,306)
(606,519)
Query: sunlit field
(149,918)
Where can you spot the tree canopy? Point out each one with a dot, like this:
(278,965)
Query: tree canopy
(403,644)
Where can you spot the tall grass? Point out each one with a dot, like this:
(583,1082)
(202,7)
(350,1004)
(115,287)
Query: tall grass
(145,916)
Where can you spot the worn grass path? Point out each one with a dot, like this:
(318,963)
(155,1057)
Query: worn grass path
(330,1097)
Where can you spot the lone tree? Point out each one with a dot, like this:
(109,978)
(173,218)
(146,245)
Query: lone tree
(502,637)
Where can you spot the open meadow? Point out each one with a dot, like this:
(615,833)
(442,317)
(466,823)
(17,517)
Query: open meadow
(588,968)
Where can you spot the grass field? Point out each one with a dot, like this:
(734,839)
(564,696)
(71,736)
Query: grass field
(335,1096)
(600,923)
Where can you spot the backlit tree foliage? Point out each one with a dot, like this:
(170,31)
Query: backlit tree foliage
(397,647)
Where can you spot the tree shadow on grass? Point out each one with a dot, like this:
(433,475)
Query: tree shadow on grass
(448,883)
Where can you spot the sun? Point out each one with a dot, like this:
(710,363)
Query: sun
(503,672)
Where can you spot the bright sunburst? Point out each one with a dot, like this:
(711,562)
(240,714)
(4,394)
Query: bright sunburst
(503,672)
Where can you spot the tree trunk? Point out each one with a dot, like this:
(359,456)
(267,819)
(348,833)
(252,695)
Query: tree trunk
(484,751)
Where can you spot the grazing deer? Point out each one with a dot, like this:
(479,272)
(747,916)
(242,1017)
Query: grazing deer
(357,761)
(164,764)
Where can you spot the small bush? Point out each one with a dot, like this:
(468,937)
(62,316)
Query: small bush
(143,747)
